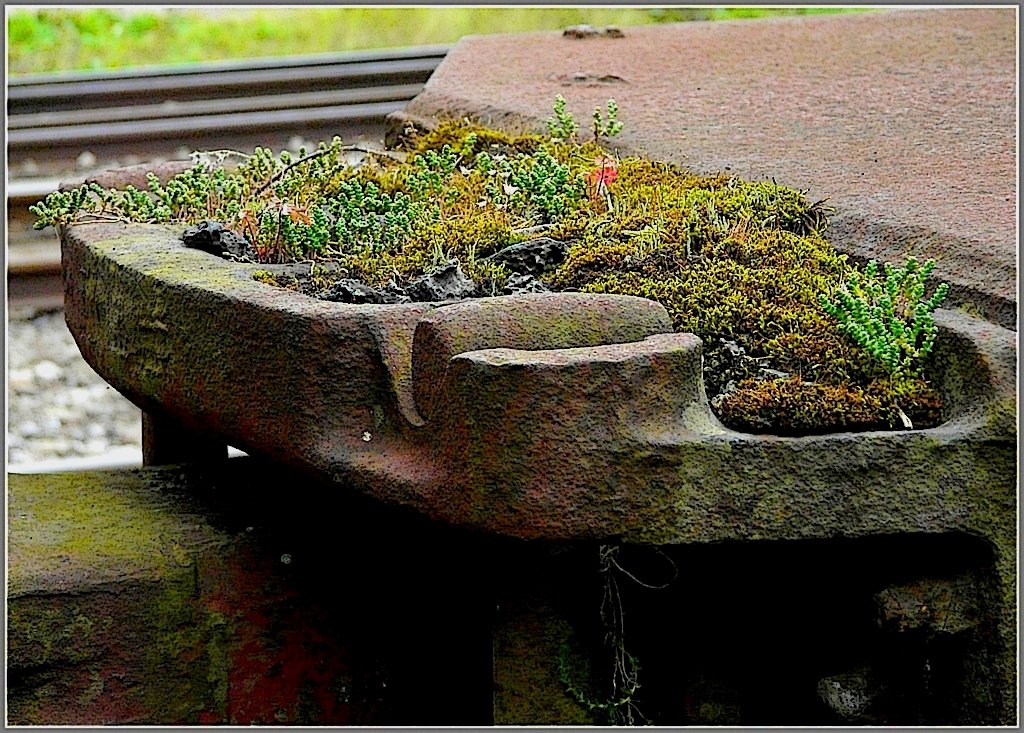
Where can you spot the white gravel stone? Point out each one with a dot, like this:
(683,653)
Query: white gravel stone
(54,446)
(46,371)
(94,447)
(128,434)
(23,380)
(86,161)
(79,396)
(53,420)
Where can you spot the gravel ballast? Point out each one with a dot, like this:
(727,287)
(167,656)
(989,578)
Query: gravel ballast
(58,407)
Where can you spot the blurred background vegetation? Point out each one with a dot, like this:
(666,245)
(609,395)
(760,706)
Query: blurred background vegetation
(65,39)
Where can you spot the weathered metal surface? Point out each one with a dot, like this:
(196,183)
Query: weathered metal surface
(130,603)
(905,120)
(528,647)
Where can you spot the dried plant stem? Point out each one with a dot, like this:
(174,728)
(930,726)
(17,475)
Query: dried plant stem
(280,174)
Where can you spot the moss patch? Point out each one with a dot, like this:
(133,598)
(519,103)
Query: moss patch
(737,261)
(742,264)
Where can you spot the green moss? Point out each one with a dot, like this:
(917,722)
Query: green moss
(455,132)
(98,558)
(729,259)
(266,277)
(794,407)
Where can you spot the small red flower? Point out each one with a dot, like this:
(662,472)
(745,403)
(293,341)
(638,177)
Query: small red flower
(607,170)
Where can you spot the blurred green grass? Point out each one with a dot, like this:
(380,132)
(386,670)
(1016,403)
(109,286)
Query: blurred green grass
(65,39)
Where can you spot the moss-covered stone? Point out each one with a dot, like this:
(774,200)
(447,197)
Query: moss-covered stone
(131,602)
(728,258)
(794,407)
(455,132)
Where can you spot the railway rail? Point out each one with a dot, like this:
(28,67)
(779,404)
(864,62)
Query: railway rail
(159,113)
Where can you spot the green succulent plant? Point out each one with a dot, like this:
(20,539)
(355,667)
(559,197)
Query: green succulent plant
(729,259)
(890,317)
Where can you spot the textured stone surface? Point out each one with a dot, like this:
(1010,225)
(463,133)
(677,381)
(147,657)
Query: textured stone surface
(201,595)
(531,257)
(353,291)
(639,454)
(904,120)
(528,427)
(530,322)
(848,694)
(213,237)
(128,605)
(447,283)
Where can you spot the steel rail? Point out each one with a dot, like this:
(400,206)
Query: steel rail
(48,115)
(203,81)
(154,113)
(208,107)
(196,127)
(437,51)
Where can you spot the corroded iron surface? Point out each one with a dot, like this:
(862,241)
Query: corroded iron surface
(130,603)
(187,595)
(904,120)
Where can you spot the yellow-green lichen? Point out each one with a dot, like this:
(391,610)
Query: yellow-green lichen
(266,277)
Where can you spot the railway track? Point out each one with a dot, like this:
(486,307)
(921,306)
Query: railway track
(59,124)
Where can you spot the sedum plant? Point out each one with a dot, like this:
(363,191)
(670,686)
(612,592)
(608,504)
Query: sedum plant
(890,317)
(740,264)
(609,125)
(365,216)
(562,126)
(537,185)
